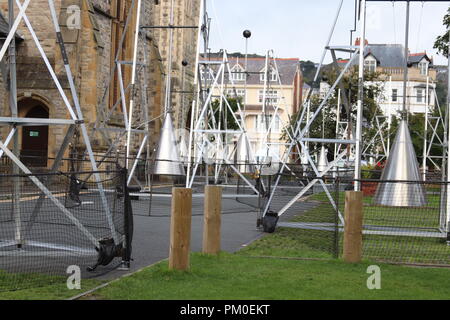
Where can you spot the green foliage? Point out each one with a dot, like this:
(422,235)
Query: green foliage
(325,123)
(367,172)
(225,114)
(308,69)
(441,43)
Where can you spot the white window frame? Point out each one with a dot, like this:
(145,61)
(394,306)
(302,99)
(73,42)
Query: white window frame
(202,74)
(259,123)
(423,67)
(421,95)
(238,73)
(394,95)
(239,93)
(272,96)
(370,65)
(272,76)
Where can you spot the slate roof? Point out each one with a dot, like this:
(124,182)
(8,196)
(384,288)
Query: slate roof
(287,68)
(417,57)
(388,56)
(391,55)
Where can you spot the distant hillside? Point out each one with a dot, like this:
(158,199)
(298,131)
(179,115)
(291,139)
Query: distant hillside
(309,69)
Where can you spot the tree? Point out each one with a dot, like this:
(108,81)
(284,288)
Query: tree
(441,43)
(325,123)
(226,113)
(308,69)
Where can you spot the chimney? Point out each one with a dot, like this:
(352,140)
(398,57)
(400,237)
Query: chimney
(358,41)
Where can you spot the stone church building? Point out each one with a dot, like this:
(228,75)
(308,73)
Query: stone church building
(92,46)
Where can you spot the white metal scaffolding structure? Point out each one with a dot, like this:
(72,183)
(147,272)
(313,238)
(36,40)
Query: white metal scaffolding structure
(268,161)
(76,121)
(136,121)
(211,141)
(299,137)
(354,137)
(210,136)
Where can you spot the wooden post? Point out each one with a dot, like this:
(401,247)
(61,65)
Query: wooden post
(353,226)
(180,229)
(212,219)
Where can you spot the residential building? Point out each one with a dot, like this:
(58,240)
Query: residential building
(284,89)
(388,60)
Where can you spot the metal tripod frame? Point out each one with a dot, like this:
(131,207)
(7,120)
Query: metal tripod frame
(76,120)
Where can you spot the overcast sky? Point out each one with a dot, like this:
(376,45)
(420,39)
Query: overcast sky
(300,28)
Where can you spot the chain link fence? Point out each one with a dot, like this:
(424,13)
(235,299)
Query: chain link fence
(51,221)
(403,221)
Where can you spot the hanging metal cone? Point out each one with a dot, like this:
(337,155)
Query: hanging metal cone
(182,147)
(401,165)
(244,155)
(323,161)
(168,160)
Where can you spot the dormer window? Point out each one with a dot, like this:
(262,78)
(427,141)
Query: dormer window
(370,64)
(206,75)
(238,73)
(423,67)
(273,77)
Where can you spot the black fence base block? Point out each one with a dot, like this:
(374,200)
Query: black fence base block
(270,221)
(259,222)
(134,189)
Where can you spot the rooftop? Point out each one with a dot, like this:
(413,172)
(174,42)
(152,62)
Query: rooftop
(390,55)
(287,67)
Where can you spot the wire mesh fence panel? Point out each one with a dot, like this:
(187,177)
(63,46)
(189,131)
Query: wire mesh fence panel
(71,220)
(308,219)
(405,222)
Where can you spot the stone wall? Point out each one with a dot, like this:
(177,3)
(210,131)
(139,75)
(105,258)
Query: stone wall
(91,49)
(186,13)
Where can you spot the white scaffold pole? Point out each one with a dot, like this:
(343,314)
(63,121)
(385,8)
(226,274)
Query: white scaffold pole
(447,218)
(133,80)
(359,107)
(424,160)
(388,147)
(197,96)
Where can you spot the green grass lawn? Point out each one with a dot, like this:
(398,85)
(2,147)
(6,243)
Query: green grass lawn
(375,247)
(267,268)
(237,276)
(34,288)
(425,217)
(287,242)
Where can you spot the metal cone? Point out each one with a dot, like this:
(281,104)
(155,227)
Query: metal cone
(167,160)
(182,147)
(401,165)
(323,161)
(243,155)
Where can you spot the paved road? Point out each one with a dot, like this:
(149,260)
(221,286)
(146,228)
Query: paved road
(151,233)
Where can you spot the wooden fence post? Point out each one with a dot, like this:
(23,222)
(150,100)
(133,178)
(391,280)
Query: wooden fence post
(180,229)
(212,219)
(353,226)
